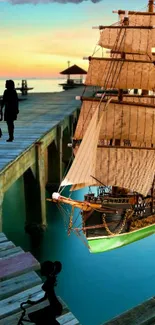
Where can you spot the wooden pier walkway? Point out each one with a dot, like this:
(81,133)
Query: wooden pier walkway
(38,115)
(43,119)
(143,314)
(19,282)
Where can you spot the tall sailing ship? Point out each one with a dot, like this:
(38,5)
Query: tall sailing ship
(114,141)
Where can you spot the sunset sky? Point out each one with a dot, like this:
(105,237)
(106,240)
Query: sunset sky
(38,37)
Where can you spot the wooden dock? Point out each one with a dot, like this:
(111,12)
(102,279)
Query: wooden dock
(44,127)
(19,282)
(143,314)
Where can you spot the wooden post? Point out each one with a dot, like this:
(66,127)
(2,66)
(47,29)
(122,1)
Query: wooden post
(71,121)
(120,91)
(41,180)
(1,202)
(151,6)
(59,146)
(46,165)
(54,163)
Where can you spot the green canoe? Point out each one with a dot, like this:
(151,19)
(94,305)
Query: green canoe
(106,243)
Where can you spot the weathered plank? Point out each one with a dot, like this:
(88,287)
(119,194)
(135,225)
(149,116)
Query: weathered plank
(11,305)
(20,283)
(151,321)
(13,319)
(72,322)
(10,252)
(140,314)
(68,319)
(16,265)
(2,237)
(6,245)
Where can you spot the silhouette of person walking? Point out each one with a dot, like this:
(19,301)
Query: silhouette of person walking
(47,315)
(10,101)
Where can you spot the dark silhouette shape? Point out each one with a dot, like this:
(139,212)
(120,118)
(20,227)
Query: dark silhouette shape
(10,101)
(47,315)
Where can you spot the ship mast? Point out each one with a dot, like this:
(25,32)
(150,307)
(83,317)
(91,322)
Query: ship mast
(120,92)
(150,6)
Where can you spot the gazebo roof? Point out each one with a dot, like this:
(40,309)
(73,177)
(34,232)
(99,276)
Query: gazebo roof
(74,69)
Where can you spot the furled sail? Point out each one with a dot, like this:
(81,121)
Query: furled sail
(149,100)
(134,56)
(122,74)
(128,40)
(120,121)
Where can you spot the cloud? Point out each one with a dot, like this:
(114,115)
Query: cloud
(35,2)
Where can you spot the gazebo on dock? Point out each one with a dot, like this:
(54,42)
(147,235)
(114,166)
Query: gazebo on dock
(71,82)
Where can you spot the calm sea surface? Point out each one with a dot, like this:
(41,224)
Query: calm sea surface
(39,85)
(96,287)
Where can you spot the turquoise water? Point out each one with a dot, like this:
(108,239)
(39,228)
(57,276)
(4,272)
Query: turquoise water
(96,287)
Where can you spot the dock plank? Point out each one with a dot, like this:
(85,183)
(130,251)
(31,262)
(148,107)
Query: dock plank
(11,252)
(18,284)
(6,245)
(140,314)
(11,305)
(2,237)
(13,319)
(68,319)
(15,265)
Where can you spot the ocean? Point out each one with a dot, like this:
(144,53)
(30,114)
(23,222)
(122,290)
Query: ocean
(39,85)
(96,287)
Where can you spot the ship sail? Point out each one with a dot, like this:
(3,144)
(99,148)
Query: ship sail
(120,73)
(85,158)
(138,36)
(115,166)
(123,167)
(130,40)
(122,121)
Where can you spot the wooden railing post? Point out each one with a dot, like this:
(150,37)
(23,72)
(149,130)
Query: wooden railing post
(59,147)
(40,174)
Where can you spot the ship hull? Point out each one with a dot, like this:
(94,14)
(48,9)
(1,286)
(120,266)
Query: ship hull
(106,243)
